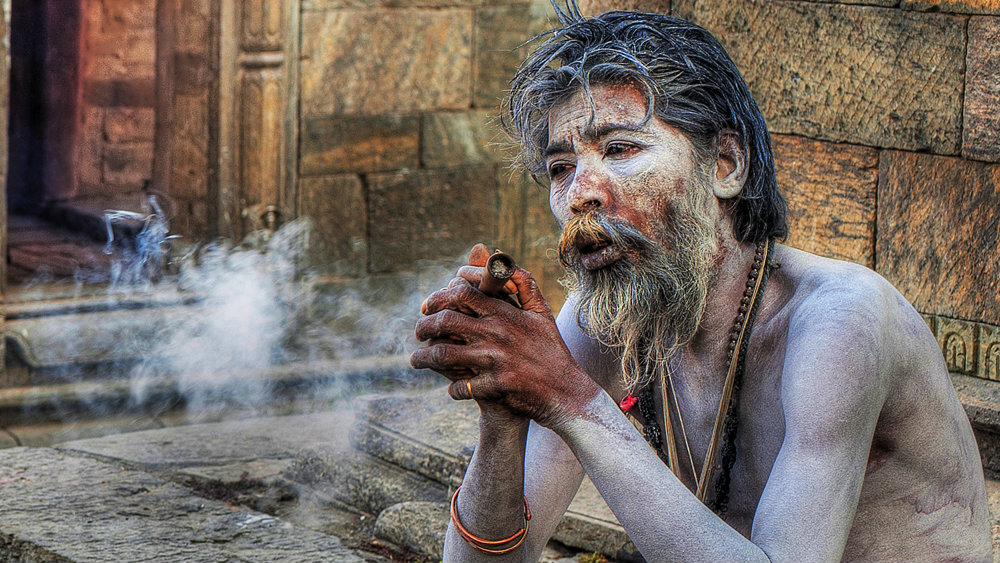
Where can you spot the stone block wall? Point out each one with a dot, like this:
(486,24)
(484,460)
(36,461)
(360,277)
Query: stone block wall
(400,157)
(883,114)
(114,153)
(885,117)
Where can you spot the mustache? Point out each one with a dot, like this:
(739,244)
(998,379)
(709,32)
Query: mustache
(594,229)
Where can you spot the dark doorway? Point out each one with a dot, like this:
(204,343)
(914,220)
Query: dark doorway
(82,93)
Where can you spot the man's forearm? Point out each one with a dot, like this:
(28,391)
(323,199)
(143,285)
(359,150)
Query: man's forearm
(491,502)
(660,515)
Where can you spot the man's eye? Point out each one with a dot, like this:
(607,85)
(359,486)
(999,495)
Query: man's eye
(618,149)
(558,169)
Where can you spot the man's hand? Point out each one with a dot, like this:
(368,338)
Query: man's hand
(519,359)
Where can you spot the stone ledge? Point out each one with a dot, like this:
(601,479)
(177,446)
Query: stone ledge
(55,507)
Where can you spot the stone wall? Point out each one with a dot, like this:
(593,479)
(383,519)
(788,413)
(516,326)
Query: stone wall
(886,145)
(401,160)
(115,145)
(883,115)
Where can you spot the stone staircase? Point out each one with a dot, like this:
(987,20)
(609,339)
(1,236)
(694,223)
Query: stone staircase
(414,450)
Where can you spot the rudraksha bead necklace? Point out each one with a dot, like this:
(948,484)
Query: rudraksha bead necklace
(727,418)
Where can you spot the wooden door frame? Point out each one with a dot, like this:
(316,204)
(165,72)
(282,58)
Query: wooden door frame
(258,112)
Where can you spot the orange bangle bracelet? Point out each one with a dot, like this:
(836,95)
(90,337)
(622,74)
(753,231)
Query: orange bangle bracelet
(480,543)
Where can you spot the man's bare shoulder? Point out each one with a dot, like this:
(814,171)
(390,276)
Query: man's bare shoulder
(850,302)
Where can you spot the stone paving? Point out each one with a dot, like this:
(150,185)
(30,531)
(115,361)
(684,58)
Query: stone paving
(367,486)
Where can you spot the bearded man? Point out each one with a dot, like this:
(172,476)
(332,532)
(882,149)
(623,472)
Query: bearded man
(798,408)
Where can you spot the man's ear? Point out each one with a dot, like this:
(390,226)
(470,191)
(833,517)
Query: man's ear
(730,166)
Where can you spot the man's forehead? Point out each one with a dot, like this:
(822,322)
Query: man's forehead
(607,108)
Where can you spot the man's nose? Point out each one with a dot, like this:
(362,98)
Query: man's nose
(589,192)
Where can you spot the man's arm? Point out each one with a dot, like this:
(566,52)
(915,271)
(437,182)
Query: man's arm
(831,396)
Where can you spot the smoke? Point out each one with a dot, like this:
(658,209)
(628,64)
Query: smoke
(263,324)
(257,327)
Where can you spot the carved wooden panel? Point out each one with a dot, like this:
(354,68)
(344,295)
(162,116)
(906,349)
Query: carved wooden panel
(261,158)
(262,25)
(258,125)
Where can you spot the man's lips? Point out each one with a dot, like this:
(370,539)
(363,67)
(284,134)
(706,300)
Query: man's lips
(595,257)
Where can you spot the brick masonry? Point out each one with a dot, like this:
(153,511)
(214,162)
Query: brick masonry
(938,233)
(333,144)
(385,61)
(336,205)
(854,74)
(981,134)
(499,32)
(830,189)
(428,215)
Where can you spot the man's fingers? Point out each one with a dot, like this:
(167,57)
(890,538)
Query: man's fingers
(458,296)
(479,255)
(448,324)
(528,293)
(447,357)
(461,390)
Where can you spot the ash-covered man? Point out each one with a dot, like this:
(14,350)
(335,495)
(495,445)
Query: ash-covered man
(798,407)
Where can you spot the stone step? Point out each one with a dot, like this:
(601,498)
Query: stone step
(61,507)
(360,480)
(434,436)
(301,468)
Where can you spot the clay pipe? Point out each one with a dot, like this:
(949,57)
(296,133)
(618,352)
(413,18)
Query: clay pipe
(499,268)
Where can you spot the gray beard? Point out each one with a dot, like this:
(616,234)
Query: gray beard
(648,304)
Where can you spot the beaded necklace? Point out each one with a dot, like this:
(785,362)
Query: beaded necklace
(726,421)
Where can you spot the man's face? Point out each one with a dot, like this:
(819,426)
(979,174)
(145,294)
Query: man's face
(639,235)
(621,165)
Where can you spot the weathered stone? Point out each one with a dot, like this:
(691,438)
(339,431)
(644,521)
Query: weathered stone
(958,344)
(988,338)
(993,501)
(90,149)
(830,191)
(432,435)
(931,321)
(590,525)
(385,429)
(385,61)
(128,164)
(220,443)
(453,139)
(336,205)
(418,526)
(872,76)
(957,6)
(47,434)
(597,7)
(360,480)
(889,3)
(7,439)
(256,470)
(56,507)
(189,156)
(129,125)
(326,5)
(981,133)
(430,214)
(938,231)
(118,93)
(500,31)
(359,144)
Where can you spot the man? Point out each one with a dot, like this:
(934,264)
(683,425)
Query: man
(798,408)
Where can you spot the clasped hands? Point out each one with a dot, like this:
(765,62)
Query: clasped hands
(506,356)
